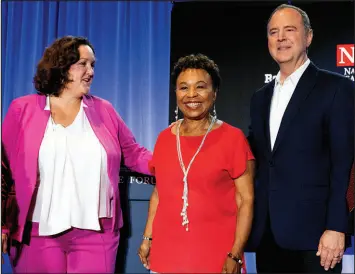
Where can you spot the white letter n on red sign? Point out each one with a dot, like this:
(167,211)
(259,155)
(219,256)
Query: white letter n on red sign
(345,55)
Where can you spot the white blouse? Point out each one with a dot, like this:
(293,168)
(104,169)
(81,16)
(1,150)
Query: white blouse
(74,188)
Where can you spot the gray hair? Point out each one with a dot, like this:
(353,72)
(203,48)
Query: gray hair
(305,18)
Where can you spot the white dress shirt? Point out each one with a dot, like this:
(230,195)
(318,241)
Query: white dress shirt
(74,188)
(281,97)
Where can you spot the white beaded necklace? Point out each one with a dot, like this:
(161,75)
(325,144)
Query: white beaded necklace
(185,220)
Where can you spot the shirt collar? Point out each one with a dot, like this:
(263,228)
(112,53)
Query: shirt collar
(48,105)
(295,76)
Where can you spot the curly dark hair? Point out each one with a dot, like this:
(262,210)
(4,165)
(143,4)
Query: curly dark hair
(197,61)
(52,70)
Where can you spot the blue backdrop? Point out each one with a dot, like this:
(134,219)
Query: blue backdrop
(132,43)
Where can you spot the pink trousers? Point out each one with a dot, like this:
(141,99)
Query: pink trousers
(73,251)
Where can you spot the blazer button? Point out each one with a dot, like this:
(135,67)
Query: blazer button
(271,163)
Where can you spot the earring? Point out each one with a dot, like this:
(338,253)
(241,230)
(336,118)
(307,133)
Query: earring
(176,113)
(214,111)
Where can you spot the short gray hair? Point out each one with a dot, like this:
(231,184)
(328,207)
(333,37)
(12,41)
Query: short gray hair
(305,18)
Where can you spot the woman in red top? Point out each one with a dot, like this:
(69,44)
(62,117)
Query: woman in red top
(201,209)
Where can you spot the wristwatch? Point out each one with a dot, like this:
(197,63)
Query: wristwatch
(147,238)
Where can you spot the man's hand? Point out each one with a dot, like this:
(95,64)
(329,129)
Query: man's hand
(331,248)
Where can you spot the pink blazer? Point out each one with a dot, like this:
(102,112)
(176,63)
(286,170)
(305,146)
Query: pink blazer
(22,133)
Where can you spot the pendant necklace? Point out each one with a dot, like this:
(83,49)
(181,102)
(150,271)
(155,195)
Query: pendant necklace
(185,220)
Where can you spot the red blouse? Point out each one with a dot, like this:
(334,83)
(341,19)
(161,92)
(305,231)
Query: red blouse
(212,209)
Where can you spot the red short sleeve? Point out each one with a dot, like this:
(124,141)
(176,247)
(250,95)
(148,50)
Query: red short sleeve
(241,153)
(152,161)
(151,166)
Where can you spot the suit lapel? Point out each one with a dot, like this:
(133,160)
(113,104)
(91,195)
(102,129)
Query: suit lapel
(302,90)
(92,113)
(98,126)
(35,131)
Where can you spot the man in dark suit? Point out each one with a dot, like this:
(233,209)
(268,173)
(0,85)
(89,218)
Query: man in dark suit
(302,135)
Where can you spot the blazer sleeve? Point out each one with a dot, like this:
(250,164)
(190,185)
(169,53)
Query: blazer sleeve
(341,141)
(5,189)
(250,136)
(350,191)
(10,133)
(9,207)
(135,156)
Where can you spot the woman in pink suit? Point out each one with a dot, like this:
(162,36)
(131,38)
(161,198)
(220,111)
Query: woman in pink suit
(64,148)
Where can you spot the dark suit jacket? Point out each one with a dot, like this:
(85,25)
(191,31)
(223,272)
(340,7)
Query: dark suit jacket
(303,180)
(350,192)
(350,199)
